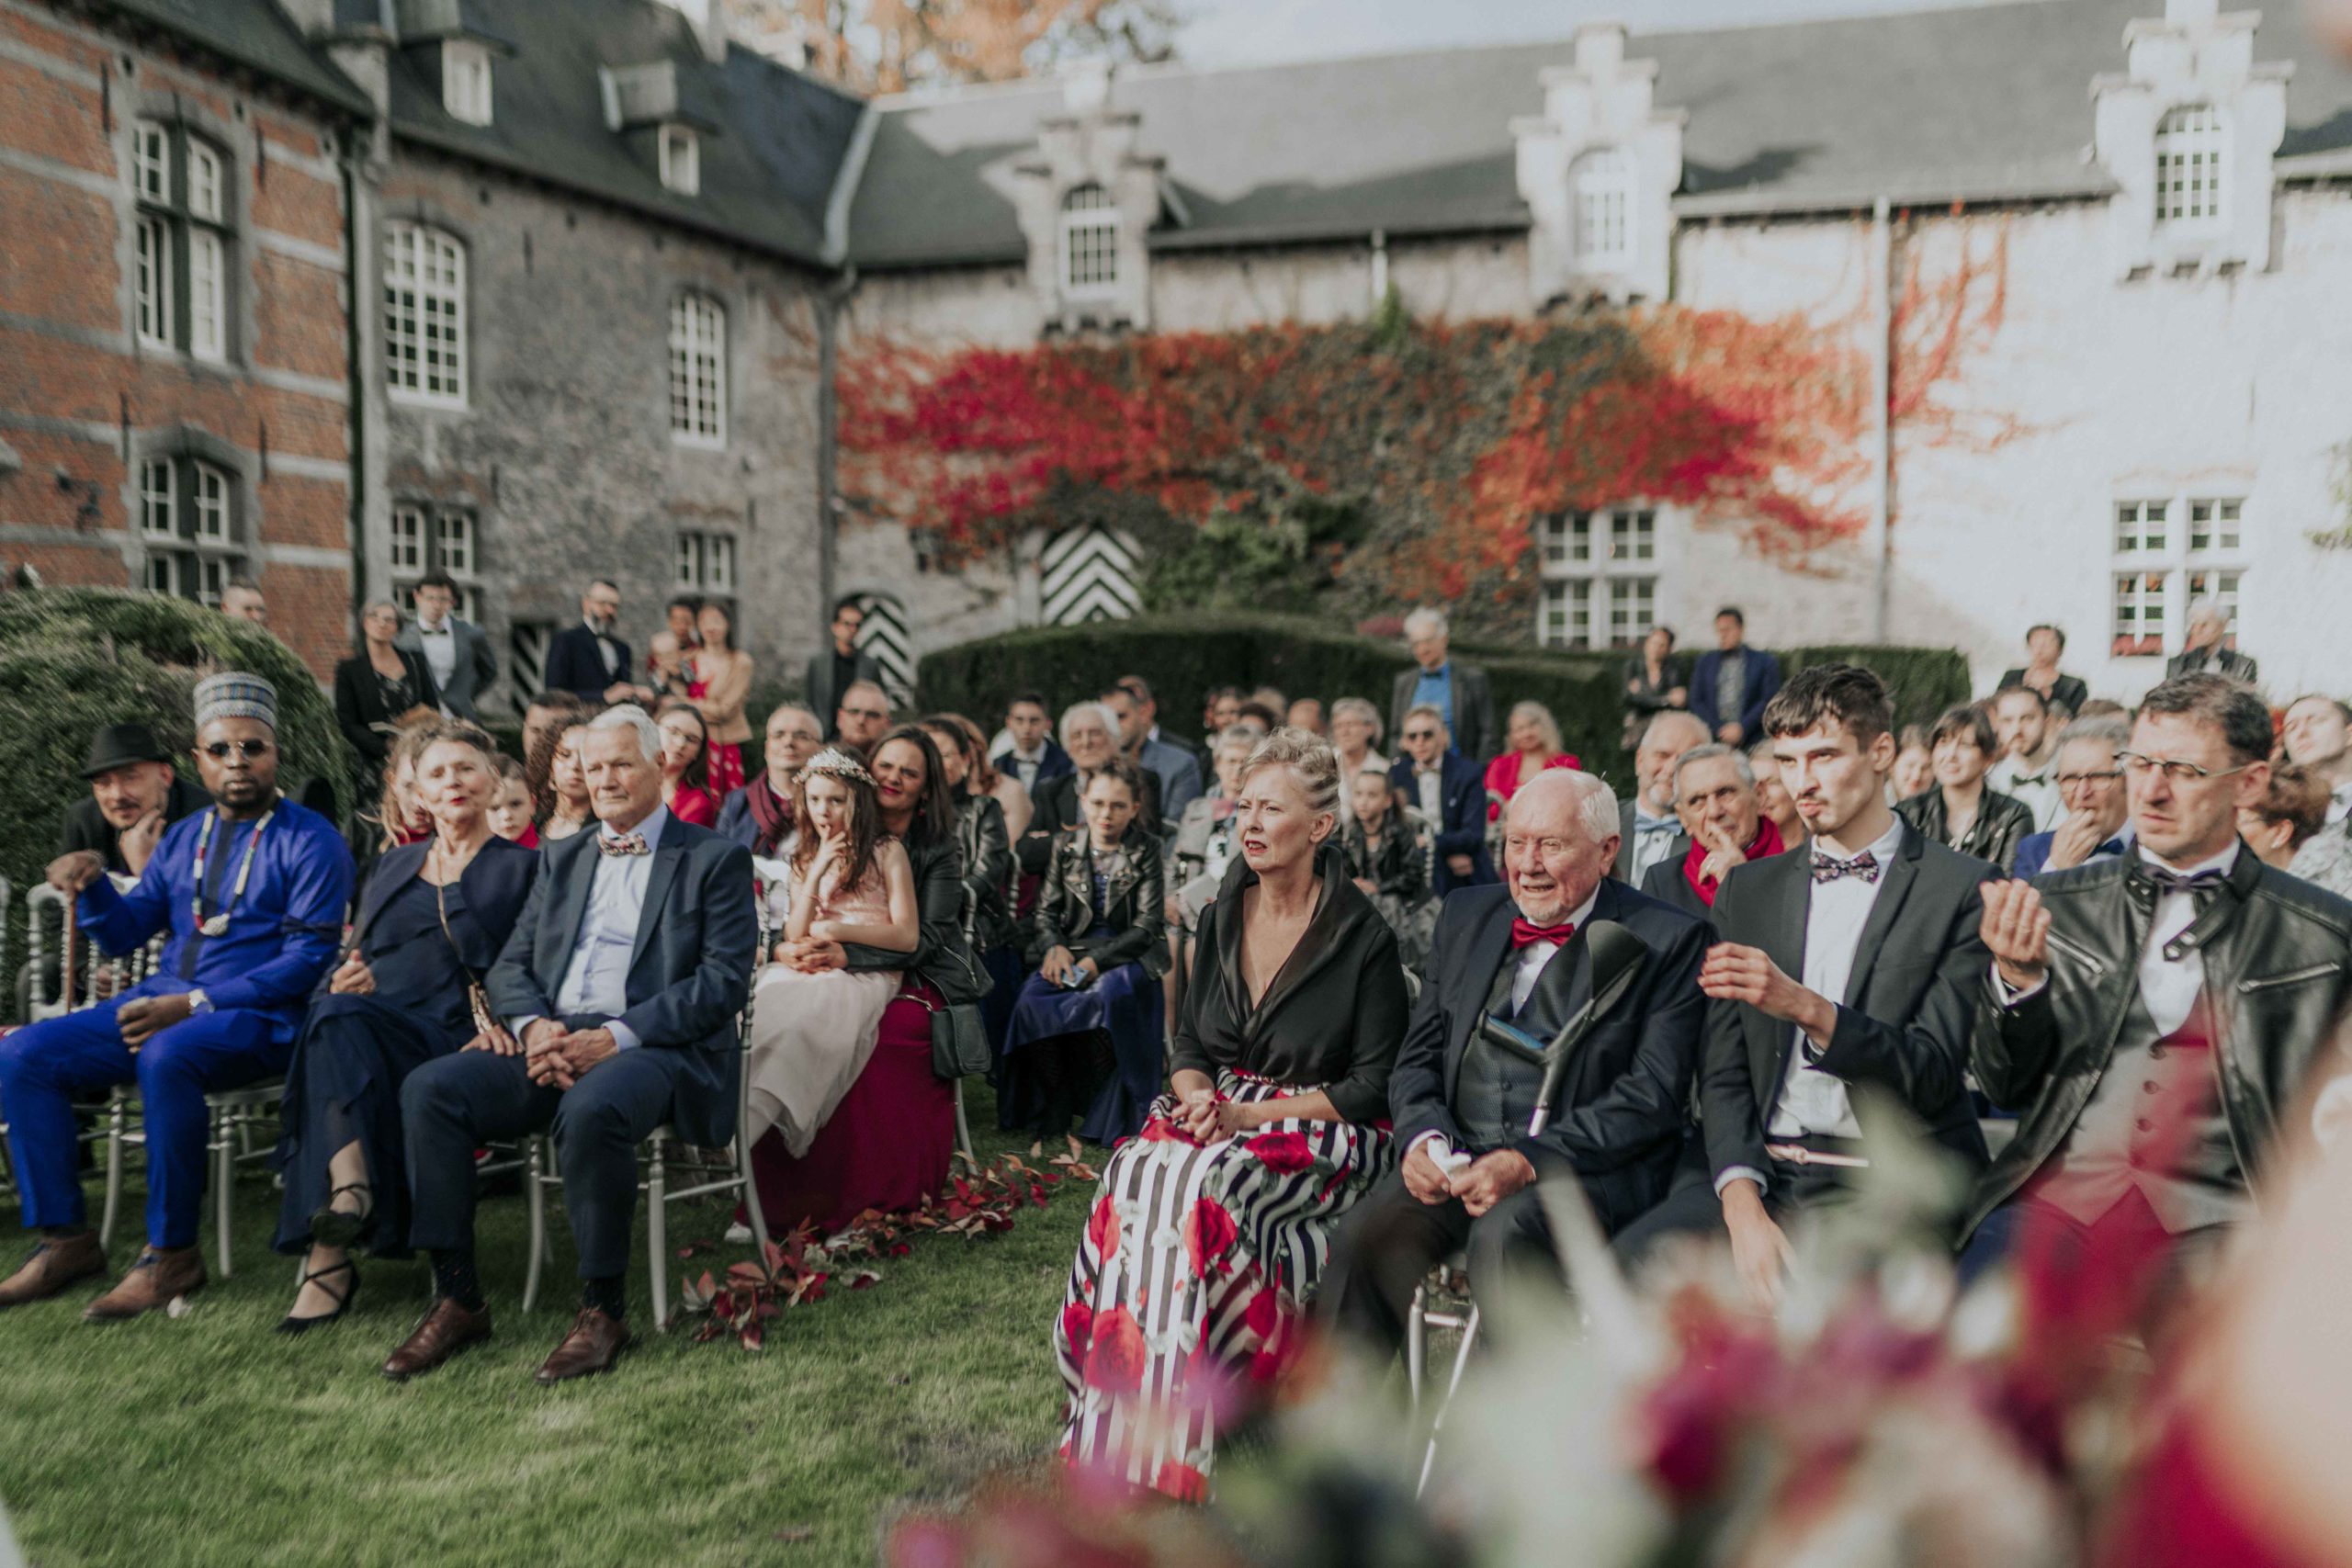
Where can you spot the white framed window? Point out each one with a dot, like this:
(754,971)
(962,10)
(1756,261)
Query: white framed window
(408,540)
(697,370)
(2170,553)
(153,284)
(1603,187)
(427,537)
(425,315)
(681,159)
(2190,148)
(1089,243)
(2139,614)
(159,500)
(706,563)
(453,545)
(208,305)
(210,503)
(150,157)
(1601,578)
(2213,525)
(203,182)
(2140,526)
(2221,585)
(465,81)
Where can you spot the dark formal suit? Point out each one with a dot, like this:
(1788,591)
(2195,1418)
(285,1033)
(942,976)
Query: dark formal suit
(475,672)
(824,696)
(1763,681)
(1052,764)
(1617,1125)
(1903,1023)
(1474,708)
(2276,984)
(576,663)
(1461,826)
(1626,839)
(686,978)
(2224,661)
(2068,692)
(1666,883)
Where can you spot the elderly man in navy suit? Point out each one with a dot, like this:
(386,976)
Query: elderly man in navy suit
(1733,682)
(1451,791)
(619,990)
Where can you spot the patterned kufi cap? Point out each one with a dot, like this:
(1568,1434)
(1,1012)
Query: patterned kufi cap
(835,762)
(235,695)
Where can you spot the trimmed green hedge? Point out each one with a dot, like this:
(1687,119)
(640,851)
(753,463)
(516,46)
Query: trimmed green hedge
(74,659)
(1185,656)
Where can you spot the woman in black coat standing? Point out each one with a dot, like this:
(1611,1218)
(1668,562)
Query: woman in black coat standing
(1281,1058)
(378,690)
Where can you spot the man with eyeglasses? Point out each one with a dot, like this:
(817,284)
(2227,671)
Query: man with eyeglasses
(2156,1018)
(2098,823)
(841,664)
(758,815)
(251,894)
(864,717)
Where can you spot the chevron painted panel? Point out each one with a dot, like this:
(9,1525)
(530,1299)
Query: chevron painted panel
(884,634)
(1087,574)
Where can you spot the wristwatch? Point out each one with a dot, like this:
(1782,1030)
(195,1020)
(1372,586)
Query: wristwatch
(197,1001)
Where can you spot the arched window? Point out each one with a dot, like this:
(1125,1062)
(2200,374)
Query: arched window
(698,371)
(2188,165)
(425,315)
(1602,184)
(1089,243)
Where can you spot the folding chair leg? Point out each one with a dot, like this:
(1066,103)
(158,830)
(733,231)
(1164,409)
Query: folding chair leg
(535,1200)
(963,1128)
(657,1233)
(1417,1347)
(1452,1384)
(118,1118)
(752,1210)
(223,1166)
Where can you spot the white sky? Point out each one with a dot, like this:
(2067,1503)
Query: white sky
(1249,32)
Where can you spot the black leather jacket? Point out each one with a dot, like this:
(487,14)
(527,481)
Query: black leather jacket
(988,870)
(1400,867)
(2278,979)
(1136,910)
(2002,822)
(942,955)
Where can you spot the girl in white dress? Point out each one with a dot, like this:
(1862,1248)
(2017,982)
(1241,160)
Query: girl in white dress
(814,1023)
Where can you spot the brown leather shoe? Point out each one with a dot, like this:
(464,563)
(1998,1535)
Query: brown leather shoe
(445,1330)
(55,1263)
(596,1342)
(161,1273)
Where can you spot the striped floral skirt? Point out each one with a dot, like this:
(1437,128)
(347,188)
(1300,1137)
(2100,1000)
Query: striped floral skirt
(1196,1268)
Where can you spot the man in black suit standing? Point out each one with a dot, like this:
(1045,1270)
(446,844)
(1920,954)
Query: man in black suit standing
(590,659)
(1733,682)
(618,994)
(1463,1103)
(839,666)
(1855,963)
(1451,791)
(1459,692)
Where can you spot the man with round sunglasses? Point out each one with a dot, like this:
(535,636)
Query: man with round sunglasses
(249,896)
(2154,1019)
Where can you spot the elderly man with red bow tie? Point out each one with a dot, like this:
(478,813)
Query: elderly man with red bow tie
(1510,967)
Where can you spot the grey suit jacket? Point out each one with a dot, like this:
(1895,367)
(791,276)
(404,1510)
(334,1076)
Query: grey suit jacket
(1474,708)
(477,667)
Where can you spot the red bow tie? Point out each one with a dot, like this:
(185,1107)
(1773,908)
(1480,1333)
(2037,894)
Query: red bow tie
(1522,935)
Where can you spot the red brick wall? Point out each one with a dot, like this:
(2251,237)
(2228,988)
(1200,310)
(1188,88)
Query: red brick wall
(69,373)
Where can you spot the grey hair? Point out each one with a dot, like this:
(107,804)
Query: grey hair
(1309,757)
(1431,622)
(1708,753)
(1245,736)
(631,717)
(1362,710)
(1671,718)
(1596,802)
(2111,732)
(1099,710)
(2207,610)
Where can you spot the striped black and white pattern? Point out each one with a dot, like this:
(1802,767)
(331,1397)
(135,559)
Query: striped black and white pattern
(1087,574)
(884,634)
(526,661)
(1208,1314)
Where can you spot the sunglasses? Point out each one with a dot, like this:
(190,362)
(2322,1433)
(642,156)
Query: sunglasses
(248,749)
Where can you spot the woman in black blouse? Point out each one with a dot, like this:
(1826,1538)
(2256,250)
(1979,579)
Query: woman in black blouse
(378,689)
(1274,1127)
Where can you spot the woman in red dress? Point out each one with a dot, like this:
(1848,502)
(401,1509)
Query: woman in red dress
(685,765)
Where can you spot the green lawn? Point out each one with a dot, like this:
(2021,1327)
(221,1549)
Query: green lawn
(209,1440)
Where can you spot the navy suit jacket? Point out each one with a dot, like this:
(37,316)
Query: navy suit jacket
(1051,765)
(1763,681)
(1463,789)
(689,973)
(1619,1122)
(2033,853)
(574,665)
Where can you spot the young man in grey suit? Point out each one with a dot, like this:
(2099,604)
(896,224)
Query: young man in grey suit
(618,995)
(458,653)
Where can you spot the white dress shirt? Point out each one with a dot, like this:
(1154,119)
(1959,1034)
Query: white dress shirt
(1653,838)
(1526,970)
(1813,1103)
(440,648)
(595,974)
(2168,985)
(1025,766)
(1429,782)
(607,647)
(2037,789)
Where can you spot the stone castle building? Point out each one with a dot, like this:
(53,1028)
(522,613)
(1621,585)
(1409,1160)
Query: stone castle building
(331,292)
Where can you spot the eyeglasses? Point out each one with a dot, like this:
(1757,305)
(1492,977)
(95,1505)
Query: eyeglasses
(2174,770)
(867,712)
(2068,781)
(247,749)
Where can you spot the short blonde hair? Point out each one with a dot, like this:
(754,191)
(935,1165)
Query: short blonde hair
(1308,756)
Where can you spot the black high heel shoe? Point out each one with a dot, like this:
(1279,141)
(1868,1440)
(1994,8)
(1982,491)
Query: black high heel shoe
(340,1228)
(293,1325)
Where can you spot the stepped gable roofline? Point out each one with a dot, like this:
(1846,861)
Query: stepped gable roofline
(1986,103)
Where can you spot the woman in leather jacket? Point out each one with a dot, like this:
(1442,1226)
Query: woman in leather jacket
(1958,811)
(1098,942)
(983,836)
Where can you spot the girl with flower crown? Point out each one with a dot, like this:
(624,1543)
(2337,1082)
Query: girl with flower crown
(812,1032)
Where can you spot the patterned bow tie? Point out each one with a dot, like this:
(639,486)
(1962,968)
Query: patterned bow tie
(2166,880)
(1829,868)
(626,845)
(1645,825)
(1523,934)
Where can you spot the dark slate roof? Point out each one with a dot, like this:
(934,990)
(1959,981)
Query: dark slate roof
(768,173)
(256,34)
(1977,103)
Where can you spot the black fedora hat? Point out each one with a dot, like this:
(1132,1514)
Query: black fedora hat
(121,745)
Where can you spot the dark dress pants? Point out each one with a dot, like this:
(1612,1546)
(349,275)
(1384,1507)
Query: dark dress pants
(1694,1208)
(451,1107)
(1391,1240)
